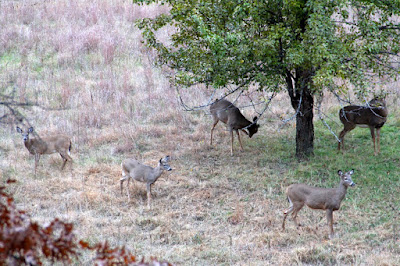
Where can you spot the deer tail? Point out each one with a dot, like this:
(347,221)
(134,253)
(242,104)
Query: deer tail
(70,147)
(290,209)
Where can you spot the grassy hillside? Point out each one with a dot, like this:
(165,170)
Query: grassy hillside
(84,64)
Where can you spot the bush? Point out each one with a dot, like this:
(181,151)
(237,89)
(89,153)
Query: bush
(23,241)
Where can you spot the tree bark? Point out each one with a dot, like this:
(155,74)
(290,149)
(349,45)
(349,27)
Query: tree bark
(305,126)
(302,101)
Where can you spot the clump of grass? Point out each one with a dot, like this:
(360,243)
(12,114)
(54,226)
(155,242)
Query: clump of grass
(315,255)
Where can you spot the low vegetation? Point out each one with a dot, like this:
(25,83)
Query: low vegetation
(84,64)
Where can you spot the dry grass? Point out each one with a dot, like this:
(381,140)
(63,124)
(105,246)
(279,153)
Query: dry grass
(84,60)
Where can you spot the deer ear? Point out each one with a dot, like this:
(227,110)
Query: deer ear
(351,172)
(167,158)
(30,130)
(19,130)
(255,118)
(340,172)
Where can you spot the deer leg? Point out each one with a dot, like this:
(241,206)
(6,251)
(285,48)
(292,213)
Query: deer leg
(346,129)
(67,158)
(122,180)
(148,186)
(296,209)
(37,158)
(378,136)
(286,212)
(341,139)
(231,142)
(294,217)
(64,161)
(329,216)
(373,138)
(127,188)
(212,129)
(240,141)
(284,219)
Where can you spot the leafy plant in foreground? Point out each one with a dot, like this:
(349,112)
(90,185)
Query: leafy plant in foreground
(23,241)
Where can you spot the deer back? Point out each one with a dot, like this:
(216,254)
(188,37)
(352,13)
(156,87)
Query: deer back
(321,198)
(46,145)
(374,115)
(229,114)
(52,144)
(141,172)
(315,197)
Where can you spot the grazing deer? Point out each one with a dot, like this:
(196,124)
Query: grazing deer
(328,199)
(373,116)
(225,111)
(52,144)
(132,168)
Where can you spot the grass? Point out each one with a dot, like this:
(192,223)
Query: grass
(212,209)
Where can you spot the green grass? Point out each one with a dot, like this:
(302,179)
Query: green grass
(9,59)
(375,197)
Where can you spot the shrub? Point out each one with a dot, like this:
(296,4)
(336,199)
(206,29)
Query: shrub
(23,241)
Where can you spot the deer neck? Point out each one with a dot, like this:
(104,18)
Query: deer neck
(241,123)
(383,111)
(379,110)
(29,144)
(36,146)
(341,191)
(157,172)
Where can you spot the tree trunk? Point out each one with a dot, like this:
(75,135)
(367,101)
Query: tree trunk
(305,126)
(302,101)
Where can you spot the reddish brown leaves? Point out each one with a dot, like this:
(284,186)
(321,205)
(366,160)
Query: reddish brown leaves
(23,241)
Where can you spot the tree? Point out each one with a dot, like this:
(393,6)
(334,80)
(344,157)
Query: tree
(9,109)
(301,46)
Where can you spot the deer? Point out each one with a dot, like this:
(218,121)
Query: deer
(373,115)
(225,111)
(328,199)
(132,168)
(61,144)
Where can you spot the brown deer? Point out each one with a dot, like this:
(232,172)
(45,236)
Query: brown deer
(53,144)
(328,199)
(132,168)
(373,116)
(225,111)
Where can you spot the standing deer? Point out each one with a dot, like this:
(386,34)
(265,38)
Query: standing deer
(132,168)
(373,116)
(328,199)
(52,144)
(225,111)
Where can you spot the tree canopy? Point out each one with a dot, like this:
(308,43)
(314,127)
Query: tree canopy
(301,46)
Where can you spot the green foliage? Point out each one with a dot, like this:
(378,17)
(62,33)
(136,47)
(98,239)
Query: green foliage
(253,42)
(298,45)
